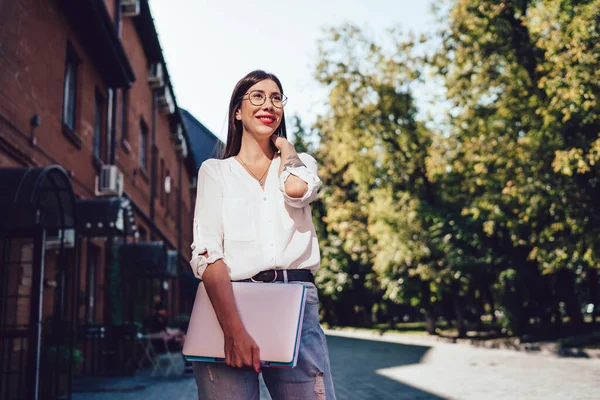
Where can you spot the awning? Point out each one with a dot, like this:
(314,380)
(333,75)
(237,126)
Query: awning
(105,217)
(152,258)
(36,197)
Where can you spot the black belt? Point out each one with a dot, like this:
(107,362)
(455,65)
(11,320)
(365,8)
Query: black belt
(277,275)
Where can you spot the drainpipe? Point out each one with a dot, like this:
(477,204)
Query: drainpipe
(179,211)
(153,161)
(109,127)
(118,16)
(113,124)
(113,95)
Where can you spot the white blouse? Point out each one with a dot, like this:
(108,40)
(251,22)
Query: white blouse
(250,229)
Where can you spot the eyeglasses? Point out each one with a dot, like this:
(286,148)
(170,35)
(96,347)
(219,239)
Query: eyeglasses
(258,98)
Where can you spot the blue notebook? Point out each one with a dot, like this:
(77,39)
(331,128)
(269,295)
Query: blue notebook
(272,313)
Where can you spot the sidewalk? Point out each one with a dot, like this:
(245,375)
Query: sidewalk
(141,386)
(371,366)
(541,348)
(140,382)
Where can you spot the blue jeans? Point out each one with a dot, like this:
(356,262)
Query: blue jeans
(310,379)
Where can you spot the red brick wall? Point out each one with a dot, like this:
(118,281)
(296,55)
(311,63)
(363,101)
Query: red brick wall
(35,47)
(137,183)
(35,36)
(33,39)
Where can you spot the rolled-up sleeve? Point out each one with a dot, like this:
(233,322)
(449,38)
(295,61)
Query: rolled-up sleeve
(207,246)
(308,174)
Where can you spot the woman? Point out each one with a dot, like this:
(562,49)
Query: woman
(253,221)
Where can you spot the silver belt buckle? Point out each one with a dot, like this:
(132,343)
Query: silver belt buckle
(274,278)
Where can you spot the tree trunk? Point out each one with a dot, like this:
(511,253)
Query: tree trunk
(460,317)
(480,326)
(571,302)
(489,298)
(594,296)
(513,299)
(477,295)
(430,321)
(428,308)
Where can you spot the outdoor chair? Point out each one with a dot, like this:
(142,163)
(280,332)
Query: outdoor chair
(164,364)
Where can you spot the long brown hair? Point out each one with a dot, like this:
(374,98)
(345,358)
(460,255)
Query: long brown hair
(234,128)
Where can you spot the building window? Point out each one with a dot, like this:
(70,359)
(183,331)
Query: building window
(168,188)
(172,200)
(98,124)
(124,116)
(93,254)
(161,186)
(143,145)
(70,89)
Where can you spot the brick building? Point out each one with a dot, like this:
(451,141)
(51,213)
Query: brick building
(96,189)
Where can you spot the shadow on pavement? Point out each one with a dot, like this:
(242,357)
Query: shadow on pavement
(354,363)
(354,366)
(123,384)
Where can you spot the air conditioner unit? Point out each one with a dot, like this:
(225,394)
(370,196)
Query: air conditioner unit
(131,8)
(178,139)
(109,182)
(184,150)
(155,76)
(181,146)
(166,105)
(54,238)
(176,133)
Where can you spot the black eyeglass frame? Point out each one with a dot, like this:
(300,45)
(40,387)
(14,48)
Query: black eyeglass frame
(284,98)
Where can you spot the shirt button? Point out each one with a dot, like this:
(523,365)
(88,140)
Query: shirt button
(264,198)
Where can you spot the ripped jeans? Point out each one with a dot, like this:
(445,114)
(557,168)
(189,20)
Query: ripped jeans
(310,379)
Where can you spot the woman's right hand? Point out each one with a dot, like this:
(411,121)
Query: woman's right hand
(240,348)
(242,351)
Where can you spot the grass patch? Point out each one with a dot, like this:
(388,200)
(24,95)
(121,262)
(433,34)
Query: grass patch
(415,332)
(590,340)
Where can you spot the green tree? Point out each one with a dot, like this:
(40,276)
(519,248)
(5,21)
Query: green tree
(301,137)
(380,199)
(496,209)
(522,80)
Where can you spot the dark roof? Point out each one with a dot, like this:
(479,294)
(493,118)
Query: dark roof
(148,35)
(203,143)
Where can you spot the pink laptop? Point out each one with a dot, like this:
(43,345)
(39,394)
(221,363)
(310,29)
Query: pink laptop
(272,313)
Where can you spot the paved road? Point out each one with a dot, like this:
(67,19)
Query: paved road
(367,369)
(411,369)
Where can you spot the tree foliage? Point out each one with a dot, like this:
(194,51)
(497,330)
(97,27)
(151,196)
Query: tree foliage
(499,208)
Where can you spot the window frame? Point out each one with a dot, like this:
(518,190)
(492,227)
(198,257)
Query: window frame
(143,145)
(70,106)
(99,128)
(161,186)
(125,120)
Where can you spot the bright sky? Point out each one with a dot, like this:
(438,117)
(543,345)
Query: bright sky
(210,45)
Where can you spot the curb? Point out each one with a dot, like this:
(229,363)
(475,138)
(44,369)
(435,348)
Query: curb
(512,344)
